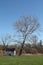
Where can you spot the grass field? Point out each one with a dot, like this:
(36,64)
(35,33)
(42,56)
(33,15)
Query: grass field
(21,60)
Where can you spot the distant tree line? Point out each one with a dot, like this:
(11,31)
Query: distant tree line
(27,49)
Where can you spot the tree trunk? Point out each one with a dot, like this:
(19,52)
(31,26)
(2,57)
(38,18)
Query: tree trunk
(21,49)
(22,46)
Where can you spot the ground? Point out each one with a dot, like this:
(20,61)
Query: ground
(21,60)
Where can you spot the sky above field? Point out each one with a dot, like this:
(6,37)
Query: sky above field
(11,10)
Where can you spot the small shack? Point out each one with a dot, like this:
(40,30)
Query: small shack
(9,51)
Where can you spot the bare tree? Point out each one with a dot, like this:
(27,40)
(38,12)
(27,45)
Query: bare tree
(33,39)
(25,26)
(6,40)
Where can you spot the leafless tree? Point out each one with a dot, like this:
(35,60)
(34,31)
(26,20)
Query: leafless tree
(25,26)
(6,41)
(33,39)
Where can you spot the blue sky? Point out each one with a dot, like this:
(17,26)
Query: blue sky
(11,10)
